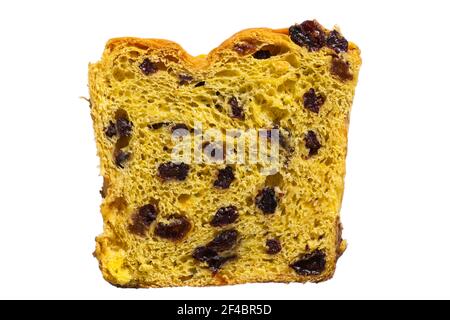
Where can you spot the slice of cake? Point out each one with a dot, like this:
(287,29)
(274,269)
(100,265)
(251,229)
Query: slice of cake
(226,168)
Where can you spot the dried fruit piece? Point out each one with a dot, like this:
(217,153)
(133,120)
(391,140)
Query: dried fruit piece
(312,143)
(200,84)
(211,257)
(176,229)
(225,240)
(143,219)
(158,125)
(204,254)
(337,42)
(237,111)
(266,200)
(185,79)
(224,178)
(147,67)
(273,246)
(217,262)
(308,34)
(173,171)
(225,216)
(310,264)
(111,130)
(341,69)
(244,48)
(121,157)
(313,101)
(124,127)
(262,54)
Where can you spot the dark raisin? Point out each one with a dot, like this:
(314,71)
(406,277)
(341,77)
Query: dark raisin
(211,257)
(180,129)
(124,127)
(225,216)
(204,254)
(185,79)
(337,42)
(158,125)
(173,171)
(217,93)
(176,229)
(310,264)
(244,48)
(147,214)
(313,101)
(217,262)
(225,240)
(148,67)
(262,54)
(121,157)
(266,200)
(236,110)
(312,143)
(224,178)
(200,84)
(341,69)
(218,106)
(273,246)
(111,130)
(143,219)
(308,34)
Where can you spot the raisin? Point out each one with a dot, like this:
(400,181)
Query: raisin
(148,67)
(224,178)
(224,216)
(313,101)
(143,219)
(337,42)
(211,257)
(308,34)
(236,110)
(341,69)
(158,125)
(173,171)
(147,214)
(204,254)
(273,246)
(121,157)
(180,129)
(312,143)
(244,48)
(176,229)
(124,127)
(200,84)
(185,79)
(310,264)
(225,240)
(266,200)
(217,262)
(111,130)
(262,54)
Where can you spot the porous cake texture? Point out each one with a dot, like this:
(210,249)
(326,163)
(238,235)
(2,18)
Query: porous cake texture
(177,221)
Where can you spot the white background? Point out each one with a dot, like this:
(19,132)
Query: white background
(396,209)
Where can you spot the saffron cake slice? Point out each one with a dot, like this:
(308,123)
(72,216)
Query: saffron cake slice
(172,222)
